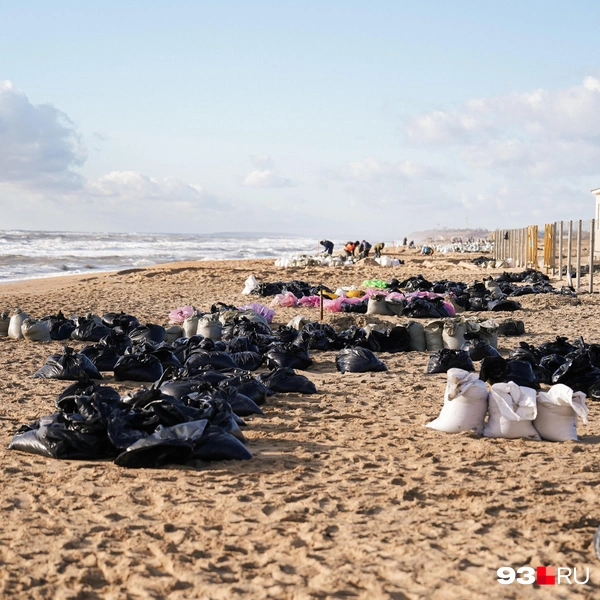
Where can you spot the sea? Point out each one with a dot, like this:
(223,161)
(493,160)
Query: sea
(34,254)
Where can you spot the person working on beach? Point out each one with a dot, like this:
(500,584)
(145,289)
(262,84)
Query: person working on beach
(412,244)
(328,246)
(427,250)
(363,249)
(405,241)
(377,248)
(349,249)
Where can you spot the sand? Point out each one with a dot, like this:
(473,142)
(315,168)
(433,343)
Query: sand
(348,494)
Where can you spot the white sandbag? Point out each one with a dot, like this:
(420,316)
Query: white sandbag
(250,284)
(298,322)
(557,412)
(384,261)
(14,326)
(173,333)
(210,327)
(253,316)
(418,343)
(512,411)
(433,334)
(451,299)
(465,403)
(378,306)
(190,326)
(488,330)
(453,334)
(35,331)
(394,305)
(4,323)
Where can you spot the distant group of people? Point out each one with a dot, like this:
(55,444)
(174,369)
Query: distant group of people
(355,249)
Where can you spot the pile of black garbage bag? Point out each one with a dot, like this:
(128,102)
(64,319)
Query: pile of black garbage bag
(575,364)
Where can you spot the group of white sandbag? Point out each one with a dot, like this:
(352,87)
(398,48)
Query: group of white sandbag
(20,325)
(448,332)
(514,411)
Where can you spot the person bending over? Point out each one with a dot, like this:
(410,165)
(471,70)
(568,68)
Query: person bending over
(349,249)
(328,246)
(377,248)
(363,249)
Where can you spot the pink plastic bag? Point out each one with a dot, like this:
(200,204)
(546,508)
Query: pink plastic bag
(179,315)
(313,301)
(287,299)
(334,305)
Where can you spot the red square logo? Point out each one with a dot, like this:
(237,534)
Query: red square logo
(545,576)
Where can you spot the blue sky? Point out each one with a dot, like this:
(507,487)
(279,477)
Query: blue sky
(343,118)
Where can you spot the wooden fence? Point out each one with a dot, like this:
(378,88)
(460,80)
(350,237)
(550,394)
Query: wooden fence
(564,249)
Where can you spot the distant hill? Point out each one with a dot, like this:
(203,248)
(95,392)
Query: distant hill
(446,234)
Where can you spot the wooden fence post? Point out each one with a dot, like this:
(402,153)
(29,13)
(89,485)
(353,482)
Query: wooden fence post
(569,253)
(560,250)
(578,259)
(591,260)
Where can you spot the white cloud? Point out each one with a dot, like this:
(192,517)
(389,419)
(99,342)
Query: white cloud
(372,169)
(39,145)
(262,161)
(266,179)
(571,113)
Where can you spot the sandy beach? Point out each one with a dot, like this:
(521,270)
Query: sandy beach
(348,494)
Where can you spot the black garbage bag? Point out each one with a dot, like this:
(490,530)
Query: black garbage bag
(65,436)
(60,327)
(217,444)
(577,372)
(249,361)
(394,339)
(493,369)
(168,445)
(358,307)
(526,352)
(171,411)
(69,365)
(88,330)
(551,362)
(287,355)
(479,349)
(422,308)
(143,396)
(415,284)
(241,344)
(220,361)
(358,360)
(511,327)
(178,388)
(287,380)
(322,336)
(138,367)
(503,305)
(104,357)
(124,321)
(118,340)
(249,386)
(240,404)
(522,291)
(477,303)
(147,333)
(124,428)
(560,346)
(286,335)
(66,400)
(351,337)
(594,391)
(442,360)
(542,375)
(521,372)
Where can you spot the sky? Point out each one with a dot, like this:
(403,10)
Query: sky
(328,118)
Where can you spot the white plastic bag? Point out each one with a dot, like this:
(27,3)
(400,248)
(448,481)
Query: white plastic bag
(557,412)
(14,327)
(453,334)
(210,327)
(35,331)
(250,284)
(433,335)
(512,411)
(378,306)
(465,403)
(190,326)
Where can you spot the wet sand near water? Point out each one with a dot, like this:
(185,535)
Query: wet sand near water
(348,494)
